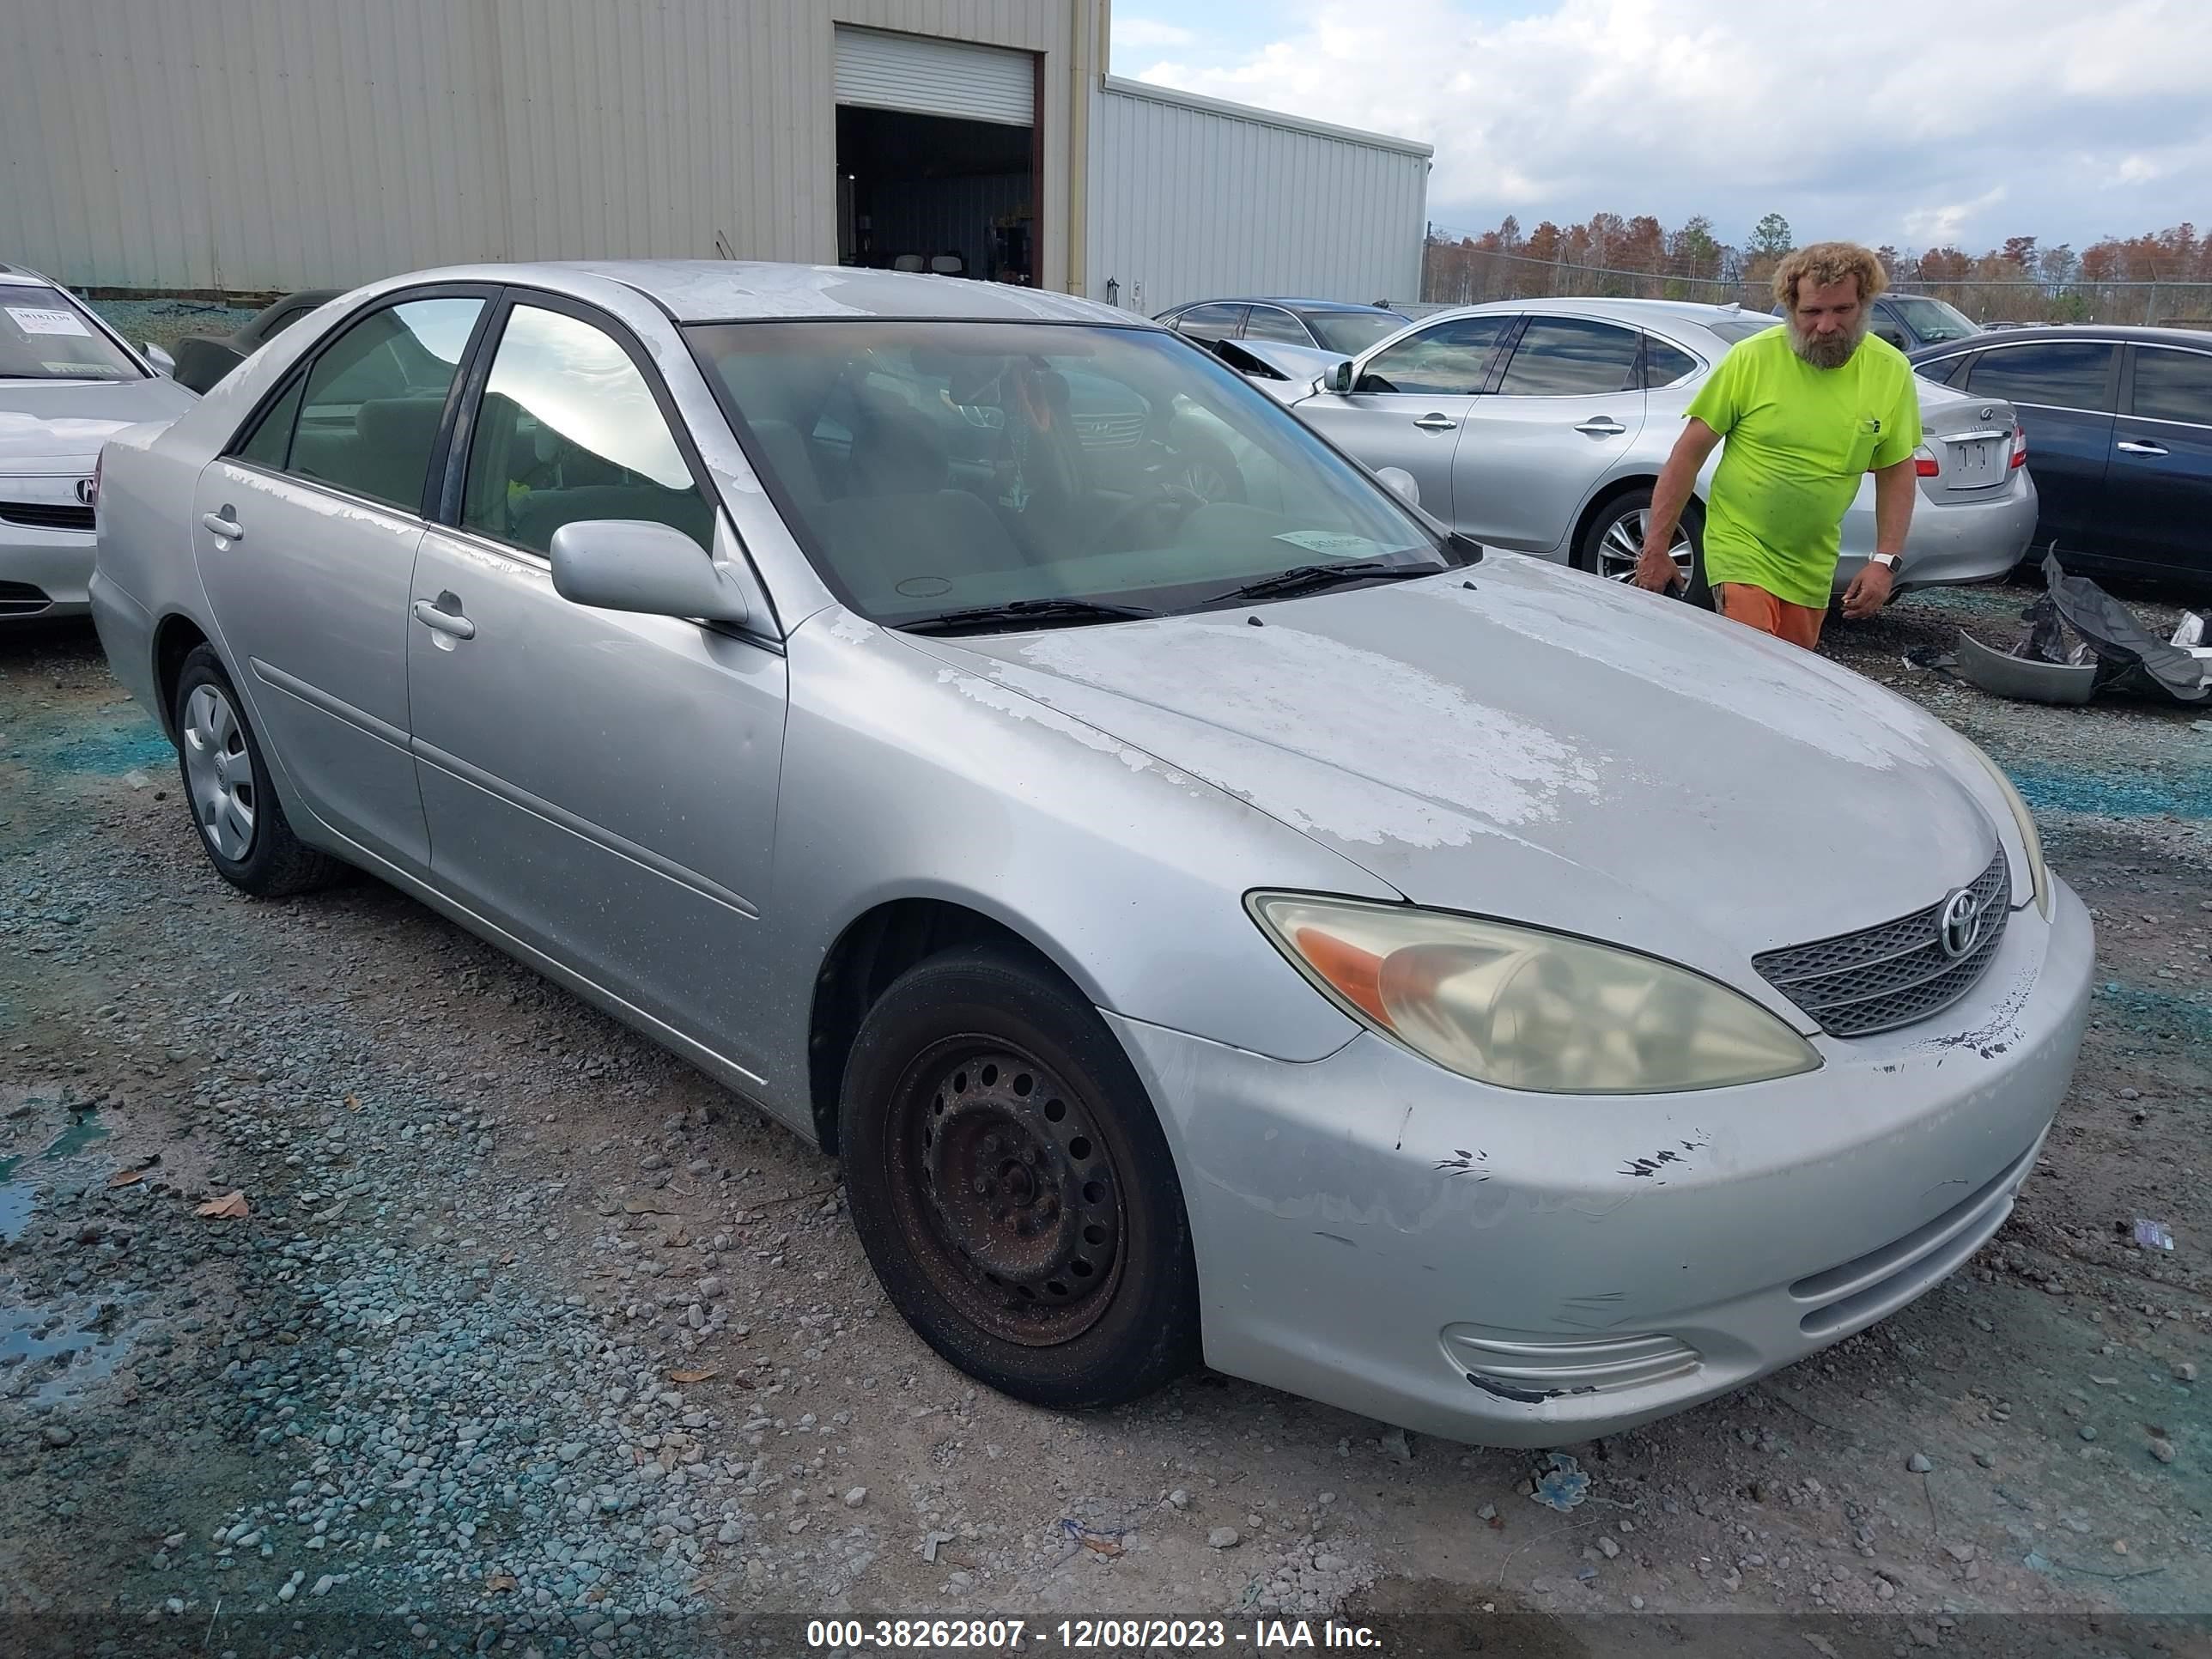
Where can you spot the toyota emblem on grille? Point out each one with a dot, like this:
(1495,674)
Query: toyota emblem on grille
(1960,928)
(84,492)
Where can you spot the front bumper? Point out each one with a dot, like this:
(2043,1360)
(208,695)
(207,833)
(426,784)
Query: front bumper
(1526,1270)
(43,572)
(1949,543)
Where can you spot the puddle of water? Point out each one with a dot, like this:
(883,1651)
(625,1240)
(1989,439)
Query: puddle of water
(18,1194)
(45,1356)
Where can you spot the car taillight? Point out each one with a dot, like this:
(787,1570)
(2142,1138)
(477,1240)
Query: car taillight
(2019,445)
(1924,463)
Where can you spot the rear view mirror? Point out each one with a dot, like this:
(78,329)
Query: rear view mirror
(633,564)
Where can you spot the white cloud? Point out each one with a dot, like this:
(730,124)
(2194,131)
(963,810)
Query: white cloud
(1146,32)
(1844,124)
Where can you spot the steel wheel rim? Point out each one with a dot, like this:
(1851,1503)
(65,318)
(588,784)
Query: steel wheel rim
(1622,546)
(219,774)
(1005,1191)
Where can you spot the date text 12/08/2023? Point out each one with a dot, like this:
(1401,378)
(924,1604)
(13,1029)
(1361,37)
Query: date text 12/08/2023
(1083,1635)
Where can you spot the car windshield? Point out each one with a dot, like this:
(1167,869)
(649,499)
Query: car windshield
(932,467)
(1353,331)
(1932,320)
(45,335)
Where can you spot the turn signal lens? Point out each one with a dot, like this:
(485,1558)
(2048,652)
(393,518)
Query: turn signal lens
(1525,1009)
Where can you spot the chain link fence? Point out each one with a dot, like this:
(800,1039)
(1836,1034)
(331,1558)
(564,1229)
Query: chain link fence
(1452,275)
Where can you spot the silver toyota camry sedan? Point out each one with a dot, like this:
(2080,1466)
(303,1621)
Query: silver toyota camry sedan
(1249,926)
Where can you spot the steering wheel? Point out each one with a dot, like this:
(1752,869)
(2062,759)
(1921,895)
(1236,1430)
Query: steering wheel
(1155,517)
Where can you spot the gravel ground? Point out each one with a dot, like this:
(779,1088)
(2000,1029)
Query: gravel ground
(530,1338)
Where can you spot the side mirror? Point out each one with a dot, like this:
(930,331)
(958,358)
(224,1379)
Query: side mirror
(1339,378)
(633,564)
(163,362)
(1401,481)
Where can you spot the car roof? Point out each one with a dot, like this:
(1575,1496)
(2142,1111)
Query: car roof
(1287,301)
(730,291)
(2200,338)
(1640,312)
(18,277)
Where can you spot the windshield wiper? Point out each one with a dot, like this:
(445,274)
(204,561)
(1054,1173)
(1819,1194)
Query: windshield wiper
(1043,613)
(1313,578)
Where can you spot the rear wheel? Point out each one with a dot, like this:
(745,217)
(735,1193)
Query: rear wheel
(1614,542)
(1011,1186)
(241,823)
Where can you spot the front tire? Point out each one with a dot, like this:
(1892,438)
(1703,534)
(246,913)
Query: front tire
(1011,1186)
(1613,540)
(241,825)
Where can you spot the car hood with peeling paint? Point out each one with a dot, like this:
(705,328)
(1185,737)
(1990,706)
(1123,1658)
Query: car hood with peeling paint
(1525,741)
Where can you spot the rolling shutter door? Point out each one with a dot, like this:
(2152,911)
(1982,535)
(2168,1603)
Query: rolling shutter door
(929,77)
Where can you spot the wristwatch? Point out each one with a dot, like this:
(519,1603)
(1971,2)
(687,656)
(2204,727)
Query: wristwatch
(1889,561)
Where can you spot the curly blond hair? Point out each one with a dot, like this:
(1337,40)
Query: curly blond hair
(1824,262)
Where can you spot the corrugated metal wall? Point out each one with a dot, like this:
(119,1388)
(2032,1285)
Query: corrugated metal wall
(273,144)
(1192,199)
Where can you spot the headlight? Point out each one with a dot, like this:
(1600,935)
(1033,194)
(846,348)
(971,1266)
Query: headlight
(1525,1009)
(2037,874)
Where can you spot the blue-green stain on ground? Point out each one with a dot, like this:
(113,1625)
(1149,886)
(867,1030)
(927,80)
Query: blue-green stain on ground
(18,1198)
(140,745)
(2115,795)
(2155,1013)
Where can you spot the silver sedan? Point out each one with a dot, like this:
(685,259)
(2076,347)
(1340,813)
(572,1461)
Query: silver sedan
(1541,425)
(1249,925)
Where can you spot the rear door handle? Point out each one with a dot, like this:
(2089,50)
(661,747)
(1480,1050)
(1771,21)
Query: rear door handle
(1602,426)
(2137,447)
(1435,423)
(445,622)
(221,524)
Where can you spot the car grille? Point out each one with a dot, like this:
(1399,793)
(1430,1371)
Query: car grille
(1109,431)
(46,516)
(1863,983)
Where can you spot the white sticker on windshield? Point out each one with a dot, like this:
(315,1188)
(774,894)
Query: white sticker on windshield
(76,371)
(39,321)
(1330,541)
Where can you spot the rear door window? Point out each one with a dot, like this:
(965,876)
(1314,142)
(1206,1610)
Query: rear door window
(1210,322)
(1273,322)
(1451,360)
(1664,364)
(2173,385)
(2054,374)
(373,401)
(1570,356)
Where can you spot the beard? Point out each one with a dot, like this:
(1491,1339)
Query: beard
(1828,350)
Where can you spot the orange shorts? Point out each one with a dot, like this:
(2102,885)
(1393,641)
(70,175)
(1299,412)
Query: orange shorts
(1800,624)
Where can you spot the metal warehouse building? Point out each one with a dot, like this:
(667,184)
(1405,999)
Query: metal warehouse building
(251,146)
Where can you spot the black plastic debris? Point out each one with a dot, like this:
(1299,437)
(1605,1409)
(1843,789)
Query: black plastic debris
(2128,660)
(2113,652)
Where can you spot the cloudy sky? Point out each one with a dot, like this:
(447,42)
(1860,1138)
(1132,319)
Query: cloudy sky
(1899,121)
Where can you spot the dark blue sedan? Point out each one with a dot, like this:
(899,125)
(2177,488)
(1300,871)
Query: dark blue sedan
(2119,439)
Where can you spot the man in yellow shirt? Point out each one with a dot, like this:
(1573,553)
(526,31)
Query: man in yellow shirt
(1805,410)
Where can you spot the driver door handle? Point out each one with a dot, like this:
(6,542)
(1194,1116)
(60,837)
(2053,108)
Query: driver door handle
(1602,426)
(445,622)
(221,524)
(2140,447)
(1435,423)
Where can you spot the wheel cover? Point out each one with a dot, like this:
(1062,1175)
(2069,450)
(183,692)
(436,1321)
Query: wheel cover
(1005,1191)
(219,774)
(1622,545)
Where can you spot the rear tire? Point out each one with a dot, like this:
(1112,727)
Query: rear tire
(1011,1186)
(1614,538)
(241,825)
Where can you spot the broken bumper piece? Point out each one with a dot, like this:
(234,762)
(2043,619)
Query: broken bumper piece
(1519,1269)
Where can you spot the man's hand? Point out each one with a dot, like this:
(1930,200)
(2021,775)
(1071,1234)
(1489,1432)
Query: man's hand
(1868,593)
(1655,569)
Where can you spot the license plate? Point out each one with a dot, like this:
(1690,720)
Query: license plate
(1975,460)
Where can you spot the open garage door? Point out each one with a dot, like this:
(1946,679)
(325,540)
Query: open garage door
(937,156)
